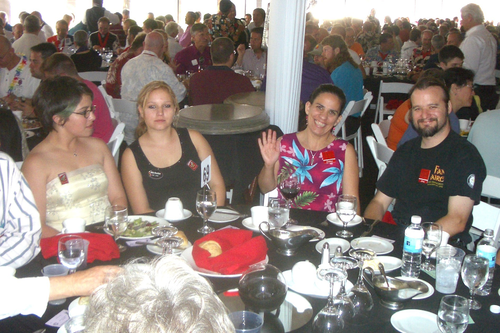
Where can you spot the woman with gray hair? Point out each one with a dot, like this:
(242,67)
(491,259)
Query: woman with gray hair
(164,296)
(85,59)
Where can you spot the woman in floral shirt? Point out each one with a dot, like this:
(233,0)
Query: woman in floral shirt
(326,165)
(225,24)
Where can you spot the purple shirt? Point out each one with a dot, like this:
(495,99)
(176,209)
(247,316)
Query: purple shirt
(190,59)
(312,76)
(185,39)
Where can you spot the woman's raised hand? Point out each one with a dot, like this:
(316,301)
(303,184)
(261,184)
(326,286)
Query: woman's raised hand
(269,147)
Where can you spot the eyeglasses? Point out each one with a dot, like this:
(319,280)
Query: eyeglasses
(87,112)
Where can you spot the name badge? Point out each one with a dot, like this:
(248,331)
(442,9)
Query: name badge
(424,176)
(63,178)
(328,157)
(194,62)
(156,175)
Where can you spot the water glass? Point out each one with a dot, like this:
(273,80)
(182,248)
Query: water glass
(71,251)
(432,239)
(55,270)
(453,314)
(206,204)
(246,321)
(346,212)
(475,271)
(279,212)
(448,263)
(116,221)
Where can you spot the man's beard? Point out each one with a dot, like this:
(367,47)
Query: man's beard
(429,131)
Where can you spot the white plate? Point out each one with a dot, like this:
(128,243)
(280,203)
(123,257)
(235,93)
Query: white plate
(333,218)
(390,263)
(160,221)
(312,289)
(219,217)
(420,296)
(304,227)
(378,245)
(161,214)
(248,223)
(29,134)
(75,309)
(415,321)
(62,329)
(334,242)
(187,255)
(159,250)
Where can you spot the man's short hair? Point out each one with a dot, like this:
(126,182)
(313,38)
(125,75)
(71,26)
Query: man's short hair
(104,19)
(130,22)
(221,50)
(134,30)
(80,38)
(450,52)
(169,17)
(415,33)
(225,6)
(258,30)
(395,30)
(385,37)
(150,24)
(58,64)
(126,12)
(197,27)
(438,42)
(138,41)
(31,24)
(473,10)
(406,25)
(312,41)
(458,76)
(45,49)
(429,82)
(455,32)
(171,27)
(339,30)
(63,22)
(161,18)
(261,12)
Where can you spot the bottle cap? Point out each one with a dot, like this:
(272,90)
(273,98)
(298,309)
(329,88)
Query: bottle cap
(416,219)
(495,309)
(488,232)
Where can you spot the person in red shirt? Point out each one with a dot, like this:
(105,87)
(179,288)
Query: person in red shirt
(62,39)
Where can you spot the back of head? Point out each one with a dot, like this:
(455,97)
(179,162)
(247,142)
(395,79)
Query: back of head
(449,52)
(438,42)
(221,50)
(59,64)
(458,76)
(97,2)
(45,49)
(172,28)
(473,10)
(225,6)
(406,25)
(339,30)
(163,296)
(80,38)
(32,24)
(384,38)
(169,17)
(60,96)
(138,41)
(134,30)
(415,34)
(154,42)
(130,22)
(5,43)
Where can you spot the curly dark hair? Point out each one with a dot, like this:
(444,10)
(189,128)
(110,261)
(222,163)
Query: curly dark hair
(336,41)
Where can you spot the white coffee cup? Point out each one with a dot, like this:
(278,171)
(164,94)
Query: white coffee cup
(7,271)
(303,273)
(73,225)
(259,214)
(174,209)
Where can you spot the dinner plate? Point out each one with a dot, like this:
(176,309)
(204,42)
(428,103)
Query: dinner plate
(187,255)
(317,288)
(76,309)
(415,321)
(420,296)
(334,243)
(334,219)
(159,250)
(248,223)
(304,227)
(219,217)
(29,134)
(161,222)
(378,245)
(187,214)
(390,263)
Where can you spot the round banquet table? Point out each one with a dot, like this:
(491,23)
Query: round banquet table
(255,98)
(378,319)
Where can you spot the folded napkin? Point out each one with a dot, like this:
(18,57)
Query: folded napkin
(102,247)
(393,104)
(239,251)
(388,218)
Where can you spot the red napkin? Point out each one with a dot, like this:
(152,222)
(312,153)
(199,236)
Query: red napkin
(393,104)
(239,251)
(388,218)
(102,247)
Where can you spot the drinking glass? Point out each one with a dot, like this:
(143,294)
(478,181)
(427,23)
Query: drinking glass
(206,203)
(432,238)
(116,221)
(474,274)
(346,211)
(71,252)
(360,295)
(167,241)
(453,314)
(290,187)
(278,212)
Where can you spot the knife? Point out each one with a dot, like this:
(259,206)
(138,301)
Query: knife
(367,232)
(234,213)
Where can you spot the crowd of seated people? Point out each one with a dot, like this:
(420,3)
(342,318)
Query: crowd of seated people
(162,158)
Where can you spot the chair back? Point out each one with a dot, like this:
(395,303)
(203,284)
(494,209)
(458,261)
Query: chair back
(486,217)
(381,154)
(381,131)
(491,187)
(94,76)
(109,101)
(389,88)
(127,113)
(353,108)
(114,146)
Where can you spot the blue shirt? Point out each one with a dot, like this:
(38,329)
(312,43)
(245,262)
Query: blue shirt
(350,80)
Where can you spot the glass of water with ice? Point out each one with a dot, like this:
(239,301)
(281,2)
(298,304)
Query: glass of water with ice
(448,264)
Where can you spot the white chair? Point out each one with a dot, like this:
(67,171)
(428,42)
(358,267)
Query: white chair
(109,100)
(485,217)
(389,88)
(491,187)
(127,113)
(381,154)
(354,108)
(114,146)
(96,76)
(381,131)
(264,198)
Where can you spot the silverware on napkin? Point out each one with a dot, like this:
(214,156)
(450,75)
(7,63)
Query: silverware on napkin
(370,229)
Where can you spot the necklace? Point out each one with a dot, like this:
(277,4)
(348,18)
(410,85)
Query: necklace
(16,80)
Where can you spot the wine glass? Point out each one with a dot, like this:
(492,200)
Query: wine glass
(453,314)
(116,221)
(474,274)
(290,187)
(206,203)
(71,252)
(432,239)
(346,211)
(334,315)
(360,295)
(278,212)
(262,288)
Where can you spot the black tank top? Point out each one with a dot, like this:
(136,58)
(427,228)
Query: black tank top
(93,15)
(182,179)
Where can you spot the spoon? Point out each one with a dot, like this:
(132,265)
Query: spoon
(382,270)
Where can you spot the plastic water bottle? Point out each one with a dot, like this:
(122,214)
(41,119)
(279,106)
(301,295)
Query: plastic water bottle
(486,249)
(412,248)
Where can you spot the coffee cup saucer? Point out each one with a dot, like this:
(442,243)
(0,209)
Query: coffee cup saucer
(161,214)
